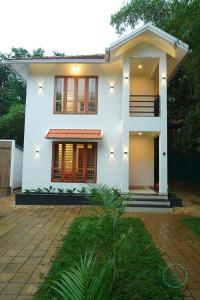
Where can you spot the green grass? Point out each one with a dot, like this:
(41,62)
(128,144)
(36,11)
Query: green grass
(193,224)
(139,270)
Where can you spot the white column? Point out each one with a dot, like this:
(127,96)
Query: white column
(125,132)
(163,174)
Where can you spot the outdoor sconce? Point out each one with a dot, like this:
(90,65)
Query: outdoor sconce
(37,151)
(111,151)
(125,151)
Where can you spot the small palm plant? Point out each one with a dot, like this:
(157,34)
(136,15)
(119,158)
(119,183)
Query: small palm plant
(113,205)
(83,283)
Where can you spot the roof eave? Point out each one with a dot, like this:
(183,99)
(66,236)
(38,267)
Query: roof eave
(49,61)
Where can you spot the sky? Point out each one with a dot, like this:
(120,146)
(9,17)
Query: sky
(70,26)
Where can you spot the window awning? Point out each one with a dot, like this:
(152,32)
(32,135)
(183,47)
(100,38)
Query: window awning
(91,134)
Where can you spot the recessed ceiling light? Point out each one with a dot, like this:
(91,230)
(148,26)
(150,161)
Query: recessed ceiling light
(140,66)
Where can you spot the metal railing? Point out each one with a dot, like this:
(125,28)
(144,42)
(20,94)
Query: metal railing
(144,106)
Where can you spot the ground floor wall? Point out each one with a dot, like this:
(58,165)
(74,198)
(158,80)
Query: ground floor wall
(119,162)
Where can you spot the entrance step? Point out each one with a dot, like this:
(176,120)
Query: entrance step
(149,209)
(148,196)
(147,202)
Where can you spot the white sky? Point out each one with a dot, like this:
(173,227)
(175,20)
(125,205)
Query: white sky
(70,26)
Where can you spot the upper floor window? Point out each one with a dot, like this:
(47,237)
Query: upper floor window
(76,95)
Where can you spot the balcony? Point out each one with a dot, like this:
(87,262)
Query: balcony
(144,105)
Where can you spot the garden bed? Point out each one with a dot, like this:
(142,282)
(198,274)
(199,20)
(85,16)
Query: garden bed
(139,270)
(51,199)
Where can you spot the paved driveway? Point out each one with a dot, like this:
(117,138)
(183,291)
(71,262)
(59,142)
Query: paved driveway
(30,235)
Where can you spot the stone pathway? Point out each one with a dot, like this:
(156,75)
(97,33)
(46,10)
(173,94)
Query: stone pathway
(30,236)
(178,245)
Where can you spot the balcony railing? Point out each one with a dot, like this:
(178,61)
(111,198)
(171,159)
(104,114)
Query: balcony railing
(144,106)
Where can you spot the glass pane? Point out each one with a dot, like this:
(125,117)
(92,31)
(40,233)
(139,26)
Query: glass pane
(81,95)
(58,162)
(91,161)
(59,94)
(68,163)
(79,162)
(92,94)
(70,95)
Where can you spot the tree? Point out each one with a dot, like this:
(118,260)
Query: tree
(57,53)
(181,19)
(39,52)
(19,52)
(12,124)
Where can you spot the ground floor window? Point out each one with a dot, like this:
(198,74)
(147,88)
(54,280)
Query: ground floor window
(74,162)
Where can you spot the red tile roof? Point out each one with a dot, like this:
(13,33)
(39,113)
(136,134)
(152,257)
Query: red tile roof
(74,134)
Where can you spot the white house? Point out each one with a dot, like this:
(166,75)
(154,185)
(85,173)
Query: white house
(100,118)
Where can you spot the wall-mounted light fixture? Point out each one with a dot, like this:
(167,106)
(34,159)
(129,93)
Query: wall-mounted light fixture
(126,78)
(140,133)
(140,66)
(37,151)
(76,69)
(40,87)
(111,151)
(112,87)
(163,77)
(125,151)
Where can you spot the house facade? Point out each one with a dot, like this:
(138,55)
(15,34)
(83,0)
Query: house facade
(100,118)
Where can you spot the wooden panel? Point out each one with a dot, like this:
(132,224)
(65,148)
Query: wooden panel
(74,162)
(80,95)
(5,163)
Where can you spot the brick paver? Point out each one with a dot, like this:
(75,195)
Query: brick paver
(178,245)
(29,238)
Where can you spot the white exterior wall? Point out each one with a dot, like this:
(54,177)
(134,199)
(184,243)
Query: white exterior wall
(112,118)
(40,118)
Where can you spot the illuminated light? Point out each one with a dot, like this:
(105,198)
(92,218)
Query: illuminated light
(111,151)
(76,69)
(40,87)
(37,151)
(140,133)
(140,66)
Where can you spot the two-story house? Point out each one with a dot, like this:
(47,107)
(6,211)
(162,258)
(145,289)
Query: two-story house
(100,118)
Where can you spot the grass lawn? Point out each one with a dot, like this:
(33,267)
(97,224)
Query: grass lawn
(139,269)
(192,223)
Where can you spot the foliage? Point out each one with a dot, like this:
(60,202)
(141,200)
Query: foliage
(192,223)
(82,282)
(57,53)
(181,19)
(138,270)
(12,124)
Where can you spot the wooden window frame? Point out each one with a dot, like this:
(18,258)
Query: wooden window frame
(76,91)
(73,165)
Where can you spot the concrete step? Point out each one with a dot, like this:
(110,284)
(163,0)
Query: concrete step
(149,209)
(148,196)
(144,202)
